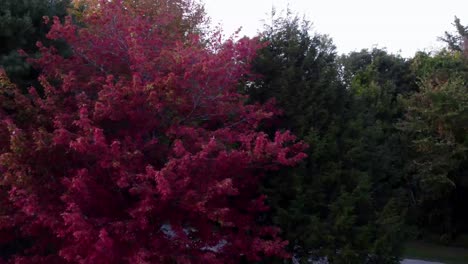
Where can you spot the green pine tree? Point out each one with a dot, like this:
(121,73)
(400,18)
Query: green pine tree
(21,26)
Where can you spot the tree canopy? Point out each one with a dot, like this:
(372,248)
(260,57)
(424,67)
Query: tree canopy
(132,132)
(140,150)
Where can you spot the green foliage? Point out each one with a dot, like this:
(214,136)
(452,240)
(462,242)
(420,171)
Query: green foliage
(372,145)
(388,136)
(299,70)
(457,41)
(439,67)
(436,122)
(345,202)
(21,26)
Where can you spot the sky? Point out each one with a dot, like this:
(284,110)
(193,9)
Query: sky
(400,26)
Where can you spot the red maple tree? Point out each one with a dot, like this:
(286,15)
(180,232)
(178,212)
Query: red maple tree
(138,149)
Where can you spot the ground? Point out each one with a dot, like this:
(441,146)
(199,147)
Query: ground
(421,252)
(417,261)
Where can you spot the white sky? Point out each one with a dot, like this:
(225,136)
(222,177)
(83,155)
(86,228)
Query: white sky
(400,25)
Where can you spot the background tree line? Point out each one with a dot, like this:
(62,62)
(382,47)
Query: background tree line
(388,135)
(388,144)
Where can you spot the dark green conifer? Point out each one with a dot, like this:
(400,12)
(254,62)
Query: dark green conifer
(21,26)
(345,203)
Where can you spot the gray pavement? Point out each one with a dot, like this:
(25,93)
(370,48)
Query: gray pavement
(416,261)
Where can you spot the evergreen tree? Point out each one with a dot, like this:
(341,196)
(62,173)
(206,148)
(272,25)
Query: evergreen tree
(375,80)
(457,41)
(21,26)
(339,204)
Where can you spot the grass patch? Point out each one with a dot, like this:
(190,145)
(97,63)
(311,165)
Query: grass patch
(433,252)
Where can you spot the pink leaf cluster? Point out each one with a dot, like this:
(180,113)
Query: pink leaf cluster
(139,150)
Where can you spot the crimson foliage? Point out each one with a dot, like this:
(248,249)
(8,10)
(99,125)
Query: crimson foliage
(138,150)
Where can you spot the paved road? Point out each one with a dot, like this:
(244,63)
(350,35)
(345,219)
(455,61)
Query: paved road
(416,261)
(405,261)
